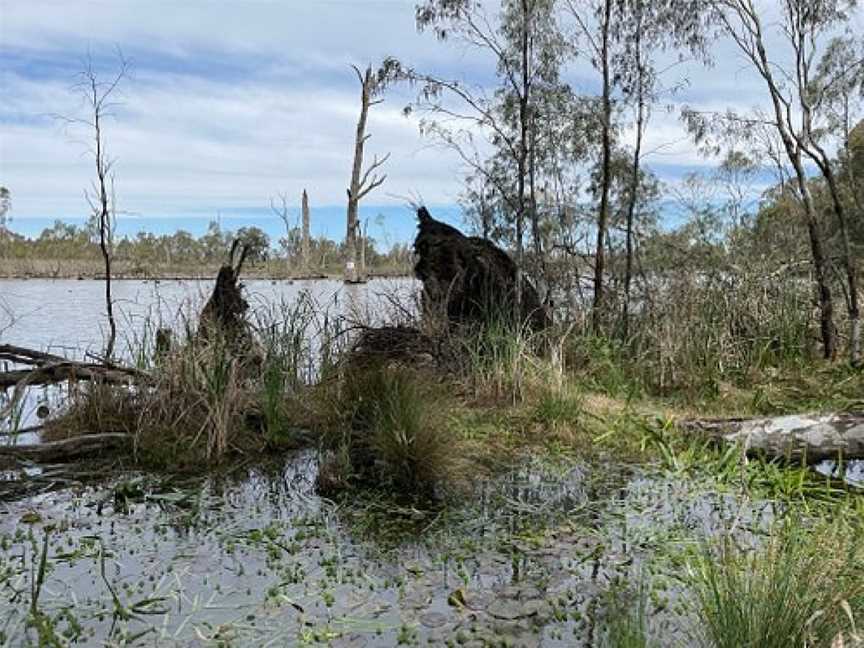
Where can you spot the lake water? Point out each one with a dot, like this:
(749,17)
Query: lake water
(67,317)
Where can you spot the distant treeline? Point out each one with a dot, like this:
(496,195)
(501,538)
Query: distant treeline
(66,249)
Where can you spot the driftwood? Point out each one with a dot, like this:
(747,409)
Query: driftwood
(811,437)
(87,445)
(20,355)
(56,372)
(470,279)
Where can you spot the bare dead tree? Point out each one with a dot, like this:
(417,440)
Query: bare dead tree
(282,211)
(101,196)
(305,242)
(372,85)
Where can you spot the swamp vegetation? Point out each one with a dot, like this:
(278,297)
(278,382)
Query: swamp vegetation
(385,478)
(519,453)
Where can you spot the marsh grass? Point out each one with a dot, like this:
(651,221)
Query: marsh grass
(384,427)
(803,587)
(209,397)
(626,620)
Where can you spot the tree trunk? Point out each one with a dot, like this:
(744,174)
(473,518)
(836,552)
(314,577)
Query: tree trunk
(820,268)
(104,224)
(305,240)
(792,145)
(811,437)
(351,256)
(634,180)
(849,265)
(606,171)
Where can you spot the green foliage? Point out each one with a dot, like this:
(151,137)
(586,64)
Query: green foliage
(386,423)
(66,249)
(792,591)
(627,620)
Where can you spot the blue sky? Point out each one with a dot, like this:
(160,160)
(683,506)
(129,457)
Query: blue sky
(231,103)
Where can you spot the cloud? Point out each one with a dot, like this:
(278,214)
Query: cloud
(230,103)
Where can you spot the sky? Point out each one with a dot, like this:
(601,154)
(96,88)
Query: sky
(229,104)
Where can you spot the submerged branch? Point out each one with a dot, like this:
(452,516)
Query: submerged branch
(67,449)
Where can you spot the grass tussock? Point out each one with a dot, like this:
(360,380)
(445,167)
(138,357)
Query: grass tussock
(804,587)
(385,427)
(209,398)
(194,413)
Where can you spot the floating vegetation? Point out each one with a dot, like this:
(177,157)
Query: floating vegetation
(253,556)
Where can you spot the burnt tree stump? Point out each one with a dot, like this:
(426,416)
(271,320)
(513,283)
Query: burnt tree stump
(470,279)
(225,312)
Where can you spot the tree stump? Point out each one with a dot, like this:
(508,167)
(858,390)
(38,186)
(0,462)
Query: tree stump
(471,280)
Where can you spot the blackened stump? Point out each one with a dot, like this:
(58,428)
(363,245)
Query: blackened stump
(470,279)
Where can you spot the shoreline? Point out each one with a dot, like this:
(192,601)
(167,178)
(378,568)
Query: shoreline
(196,277)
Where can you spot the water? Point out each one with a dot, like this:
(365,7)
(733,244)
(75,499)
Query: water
(67,317)
(254,558)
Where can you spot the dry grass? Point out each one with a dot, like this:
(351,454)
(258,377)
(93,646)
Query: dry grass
(196,412)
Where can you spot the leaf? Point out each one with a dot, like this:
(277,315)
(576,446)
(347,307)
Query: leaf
(457,598)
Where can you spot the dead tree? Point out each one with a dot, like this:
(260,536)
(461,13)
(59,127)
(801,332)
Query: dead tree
(98,95)
(224,314)
(305,240)
(282,212)
(372,85)
(796,437)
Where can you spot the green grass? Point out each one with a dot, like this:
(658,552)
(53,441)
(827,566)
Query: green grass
(627,621)
(803,587)
(386,424)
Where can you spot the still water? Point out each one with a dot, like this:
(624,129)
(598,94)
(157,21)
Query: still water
(254,557)
(67,317)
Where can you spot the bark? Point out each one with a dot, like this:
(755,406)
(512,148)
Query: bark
(606,172)
(522,163)
(469,280)
(305,240)
(21,355)
(809,437)
(88,445)
(847,257)
(361,182)
(69,370)
(634,180)
(102,169)
(351,260)
(224,314)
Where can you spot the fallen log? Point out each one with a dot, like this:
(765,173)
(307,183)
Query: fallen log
(809,437)
(64,370)
(67,449)
(21,355)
